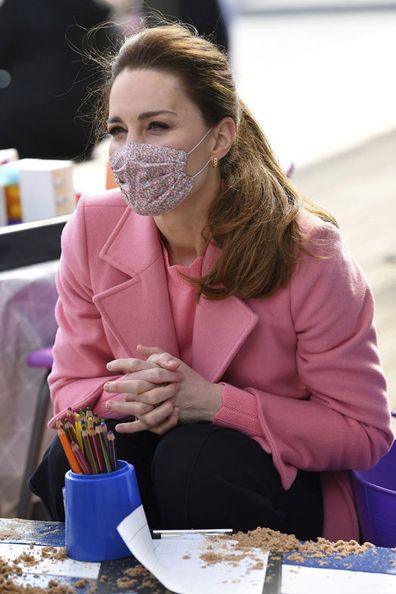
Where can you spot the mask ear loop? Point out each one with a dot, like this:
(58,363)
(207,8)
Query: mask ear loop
(198,143)
(193,149)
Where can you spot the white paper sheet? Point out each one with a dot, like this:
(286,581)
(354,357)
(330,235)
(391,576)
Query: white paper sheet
(175,561)
(61,568)
(314,580)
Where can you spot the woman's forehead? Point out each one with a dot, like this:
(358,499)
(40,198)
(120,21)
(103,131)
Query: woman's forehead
(150,90)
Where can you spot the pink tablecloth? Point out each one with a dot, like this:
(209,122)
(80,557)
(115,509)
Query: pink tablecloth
(27,322)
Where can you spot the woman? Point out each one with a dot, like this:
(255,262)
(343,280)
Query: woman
(219,318)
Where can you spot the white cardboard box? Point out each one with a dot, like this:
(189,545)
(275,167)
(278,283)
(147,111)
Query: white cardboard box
(46,188)
(8,155)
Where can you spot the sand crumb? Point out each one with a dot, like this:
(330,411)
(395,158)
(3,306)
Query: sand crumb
(57,553)
(243,543)
(139,578)
(7,586)
(14,568)
(124,582)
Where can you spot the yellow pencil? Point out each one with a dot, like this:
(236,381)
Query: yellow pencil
(78,429)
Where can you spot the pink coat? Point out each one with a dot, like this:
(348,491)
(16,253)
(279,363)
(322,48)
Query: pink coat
(301,369)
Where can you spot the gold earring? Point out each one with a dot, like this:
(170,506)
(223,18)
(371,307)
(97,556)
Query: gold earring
(214,162)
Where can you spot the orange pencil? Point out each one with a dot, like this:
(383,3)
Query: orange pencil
(68,451)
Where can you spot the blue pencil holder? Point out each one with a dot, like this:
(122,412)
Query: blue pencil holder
(94,506)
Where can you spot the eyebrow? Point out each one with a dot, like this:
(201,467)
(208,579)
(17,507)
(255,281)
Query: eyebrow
(143,116)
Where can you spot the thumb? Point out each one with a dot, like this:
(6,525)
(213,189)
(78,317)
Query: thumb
(159,357)
(147,351)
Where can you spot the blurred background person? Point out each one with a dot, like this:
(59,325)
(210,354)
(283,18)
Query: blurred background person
(207,16)
(44,76)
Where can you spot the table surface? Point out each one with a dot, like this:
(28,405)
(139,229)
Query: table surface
(52,534)
(22,533)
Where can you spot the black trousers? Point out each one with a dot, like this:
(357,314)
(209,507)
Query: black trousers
(201,475)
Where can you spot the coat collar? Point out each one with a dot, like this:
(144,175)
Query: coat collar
(135,235)
(138,310)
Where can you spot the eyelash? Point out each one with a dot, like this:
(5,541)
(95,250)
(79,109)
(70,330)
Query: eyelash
(116,130)
(151,126)
(161,125)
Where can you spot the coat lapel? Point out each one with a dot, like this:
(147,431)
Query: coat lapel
(220,329)
(138,309)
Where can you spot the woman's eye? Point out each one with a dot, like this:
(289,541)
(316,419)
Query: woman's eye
(116,130)
(157,126)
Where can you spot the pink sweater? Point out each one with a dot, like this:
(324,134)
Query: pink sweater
(300,369)
(183,302)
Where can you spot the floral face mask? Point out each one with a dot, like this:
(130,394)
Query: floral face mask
(153,178)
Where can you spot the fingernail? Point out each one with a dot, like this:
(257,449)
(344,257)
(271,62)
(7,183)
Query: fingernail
(107,387)
(110,365)
(108,404)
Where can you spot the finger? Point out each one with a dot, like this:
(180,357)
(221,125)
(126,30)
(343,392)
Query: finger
(158,415)
(128,387)
(157,395)
(138,425)
(147,351)
(168,424)
(131,427)
(164,360)
(129,409)
(168,360)
(127,365)
(156,375)
(146,380)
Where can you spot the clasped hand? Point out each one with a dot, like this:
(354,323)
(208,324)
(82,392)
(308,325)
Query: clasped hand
(160,391)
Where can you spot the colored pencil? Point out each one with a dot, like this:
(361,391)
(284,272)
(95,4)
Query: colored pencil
(74,465)
(112,452)
(88,445)
(84,465)
(103,445)
(70,415)
(88,451)
(96,450)
(77,428)
(69,430)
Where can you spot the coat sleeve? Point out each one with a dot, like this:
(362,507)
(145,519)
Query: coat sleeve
(344,422)
(81,349)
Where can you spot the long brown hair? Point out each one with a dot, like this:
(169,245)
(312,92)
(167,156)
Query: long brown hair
(254,218)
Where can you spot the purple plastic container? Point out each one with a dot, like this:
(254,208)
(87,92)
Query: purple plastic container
(375,496)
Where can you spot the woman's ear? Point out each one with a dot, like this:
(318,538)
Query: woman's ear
(224,133)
